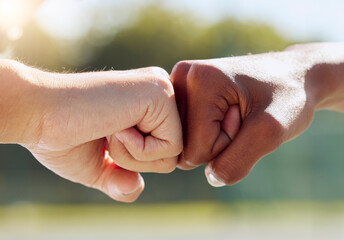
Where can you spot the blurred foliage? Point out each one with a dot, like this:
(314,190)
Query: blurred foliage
(37,49)
(157,36)
(310,167)
(162,38)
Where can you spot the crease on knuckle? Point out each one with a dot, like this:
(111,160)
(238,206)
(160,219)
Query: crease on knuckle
(140,155)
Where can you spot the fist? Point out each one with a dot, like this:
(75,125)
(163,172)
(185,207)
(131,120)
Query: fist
(236,110)
(131,114)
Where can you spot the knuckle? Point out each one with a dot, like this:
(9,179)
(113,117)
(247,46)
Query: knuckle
(157,71)
(198,70)
(231,172)
(179,73)
(158,77)
(181,67)
(163,82)
(194,158)
(177,148)
(201,74)
(167,165)
(140,156)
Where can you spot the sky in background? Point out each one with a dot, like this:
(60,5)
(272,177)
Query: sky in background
(301,19)
(71,19)
(320,19)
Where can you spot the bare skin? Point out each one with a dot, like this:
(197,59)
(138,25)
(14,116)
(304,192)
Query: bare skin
(66,121)
(277,94)
(234,111)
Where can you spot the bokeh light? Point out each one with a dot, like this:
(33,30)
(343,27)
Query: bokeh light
(14,14)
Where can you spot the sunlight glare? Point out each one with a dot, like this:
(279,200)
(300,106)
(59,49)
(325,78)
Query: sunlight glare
(66,19)
(14,14)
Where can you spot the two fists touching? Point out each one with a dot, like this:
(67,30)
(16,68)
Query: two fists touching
(101,128)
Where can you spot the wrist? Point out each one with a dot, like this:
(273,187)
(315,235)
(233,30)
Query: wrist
(21,104)
(322,65)
(329,86)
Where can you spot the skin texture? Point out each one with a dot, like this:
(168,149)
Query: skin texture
(83,126)
(234,111)
(276,93)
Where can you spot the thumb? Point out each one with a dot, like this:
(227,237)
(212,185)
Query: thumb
(91,165)
(118,183)
(259,135)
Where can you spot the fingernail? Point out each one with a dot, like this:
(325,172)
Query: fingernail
(213,181)
(187,165)
(138,187)
(181,167)
(119,137)
(191,164)
(116,191)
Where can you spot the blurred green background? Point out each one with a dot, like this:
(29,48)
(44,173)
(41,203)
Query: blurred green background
(296,192)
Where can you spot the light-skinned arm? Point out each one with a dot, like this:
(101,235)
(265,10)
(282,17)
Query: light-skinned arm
(67,120)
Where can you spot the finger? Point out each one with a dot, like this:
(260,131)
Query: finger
(178,79)
(258,136)
(164,138)
(202,125)
(124,159)
(206,108)
(162,142)
(209,135)
(142,148)
(119,184)
(232,121)
(231,126)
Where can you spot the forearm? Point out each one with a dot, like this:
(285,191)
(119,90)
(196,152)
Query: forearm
(323,65)
(35,104)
